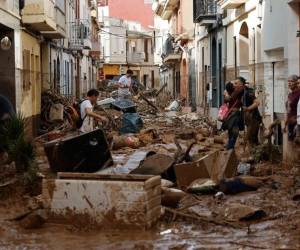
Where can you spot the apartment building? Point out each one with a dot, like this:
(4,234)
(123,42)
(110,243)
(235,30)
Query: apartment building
(246,38)
(47,44)
(179,51)
(10,54)
(127,45)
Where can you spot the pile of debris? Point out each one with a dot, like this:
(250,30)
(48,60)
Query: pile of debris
(150,135)
(54,112)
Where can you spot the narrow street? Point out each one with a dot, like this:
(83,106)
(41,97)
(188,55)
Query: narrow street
(150,124)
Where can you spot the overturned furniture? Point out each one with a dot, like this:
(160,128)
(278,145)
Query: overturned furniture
(113,201)
(215,166)
(88,152)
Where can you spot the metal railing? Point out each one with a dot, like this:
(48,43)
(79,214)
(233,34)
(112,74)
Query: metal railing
(168,47)
(136,57)
(79,32)
(204,9)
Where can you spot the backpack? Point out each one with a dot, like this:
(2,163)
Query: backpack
(78,120)
(250,92)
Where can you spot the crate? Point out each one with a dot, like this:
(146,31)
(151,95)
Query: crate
(110,201)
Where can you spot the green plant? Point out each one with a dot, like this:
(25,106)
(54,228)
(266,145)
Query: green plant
(13,141)
(32,179)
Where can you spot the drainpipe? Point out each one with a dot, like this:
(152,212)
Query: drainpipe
(273,90)
(254,59)
(235,57)
(126,54)
(225,55)
(50,65)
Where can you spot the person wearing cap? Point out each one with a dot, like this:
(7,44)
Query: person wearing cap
(125,85)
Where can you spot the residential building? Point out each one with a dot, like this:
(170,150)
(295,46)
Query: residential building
(126,44)
(133,10)
(47,44)
(179,51)
(246,38)
(10,63)
(161,31)
(210,50)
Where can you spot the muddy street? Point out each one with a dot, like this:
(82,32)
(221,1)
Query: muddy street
(279,230)
(265,217)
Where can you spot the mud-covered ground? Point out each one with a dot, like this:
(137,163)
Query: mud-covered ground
(279,230)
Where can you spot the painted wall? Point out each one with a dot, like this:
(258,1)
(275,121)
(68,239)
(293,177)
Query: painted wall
(132,10)
(31,76)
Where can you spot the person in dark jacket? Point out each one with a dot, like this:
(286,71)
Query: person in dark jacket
(253,118)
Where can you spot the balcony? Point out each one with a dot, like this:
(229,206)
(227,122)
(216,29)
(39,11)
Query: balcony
(169,7)
(170,54)
(10,5)
(60,19)
(205,12)
(136,57)
(39,15)
(95,50)
(231,4)
(80,35)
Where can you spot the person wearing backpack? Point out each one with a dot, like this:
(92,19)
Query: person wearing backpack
(87,115)
(253,118)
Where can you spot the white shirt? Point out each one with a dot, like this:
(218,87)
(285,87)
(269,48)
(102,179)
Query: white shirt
(88,122)
(126,81)
(298,113)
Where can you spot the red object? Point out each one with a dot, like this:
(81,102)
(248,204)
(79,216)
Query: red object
(223,112)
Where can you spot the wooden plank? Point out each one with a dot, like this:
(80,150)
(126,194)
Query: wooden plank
(161,89)
(95,176)
(151,104)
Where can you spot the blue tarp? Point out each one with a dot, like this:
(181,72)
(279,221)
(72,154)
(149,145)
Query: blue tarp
(132,123)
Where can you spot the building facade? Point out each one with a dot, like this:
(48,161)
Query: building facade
(54,44)
(127,45)
(179,50)
(247,38)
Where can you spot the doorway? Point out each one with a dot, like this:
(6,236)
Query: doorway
(244,50)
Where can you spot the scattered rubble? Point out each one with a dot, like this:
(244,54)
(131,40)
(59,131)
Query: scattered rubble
(198,184)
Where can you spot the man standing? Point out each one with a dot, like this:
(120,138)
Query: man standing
(291,105)
(87,114)
(125,85)
(234,121)
(253,118)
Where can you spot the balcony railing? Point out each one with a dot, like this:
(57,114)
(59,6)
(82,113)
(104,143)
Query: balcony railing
(170,54)
(39,14)
(96,49)
(79,36)
(136,57)
(204,10)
